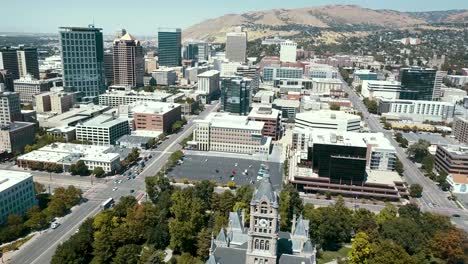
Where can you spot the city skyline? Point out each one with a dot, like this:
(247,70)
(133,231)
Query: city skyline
(105,16)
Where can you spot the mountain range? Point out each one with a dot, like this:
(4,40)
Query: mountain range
(289,22)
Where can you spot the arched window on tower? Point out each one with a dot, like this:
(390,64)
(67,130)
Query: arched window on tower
(267,245)
(264,208)
(262,245)
(256,244)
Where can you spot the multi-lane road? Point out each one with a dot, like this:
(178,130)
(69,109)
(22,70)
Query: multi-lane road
(42,247)
(433,198)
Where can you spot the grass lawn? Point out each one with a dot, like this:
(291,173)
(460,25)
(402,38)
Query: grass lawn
(327,256)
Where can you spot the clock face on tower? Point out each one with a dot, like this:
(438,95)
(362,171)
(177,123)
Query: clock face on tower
(263,222)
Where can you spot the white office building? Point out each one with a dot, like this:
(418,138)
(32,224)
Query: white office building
(389,90)
(288,51)
(314,70)
(229,133)
(103,129)
(116,98)
(236,45)
(17,193)
(326,87)
(228,68)
(27,87)
(417,110)
(164,76)
(208,84)
(329,120)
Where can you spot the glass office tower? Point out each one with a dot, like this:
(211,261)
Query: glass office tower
(417,83)
(83,60)
(169,47)
(235,95)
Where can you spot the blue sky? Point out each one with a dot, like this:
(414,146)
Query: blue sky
(145,16)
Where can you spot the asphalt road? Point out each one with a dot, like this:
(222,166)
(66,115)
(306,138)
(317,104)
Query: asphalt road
(41,249)
(433,199)
(220,169)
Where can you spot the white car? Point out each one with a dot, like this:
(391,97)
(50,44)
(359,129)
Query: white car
(55,225)
(115,189)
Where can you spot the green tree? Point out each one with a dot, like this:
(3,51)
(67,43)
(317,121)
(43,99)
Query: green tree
(224,202)
(389,252)
(428,163)
(77,249)
(204,191)
(364,221)
(37,219)
(399,167)
(186,258)
(128,254)
(99,172)
(335,107)
(79,168)
(360,250)
(39,187)
(187,221)
(451,246)
(389,212)
(405,232)
(151,255)
(203,243)
(416,190)
(338,227)
(419,150)
(290,204)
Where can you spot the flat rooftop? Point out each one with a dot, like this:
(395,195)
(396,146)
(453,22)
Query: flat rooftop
(327,80)
(226,120)
(264,112)
(209,73)
(383,177)
(287,103)
(72,116)
(16,126)
(327,116)
(434,139)
(63,129)
(11,178)
(155,94)
(103,120)
(153,107)
(355,139)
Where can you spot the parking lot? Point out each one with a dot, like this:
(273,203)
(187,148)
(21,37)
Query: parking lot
(223,170)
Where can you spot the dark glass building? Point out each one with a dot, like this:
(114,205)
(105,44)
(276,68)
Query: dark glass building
(169,47)
(417,83)
(236,95)
(340,163)
(20,61)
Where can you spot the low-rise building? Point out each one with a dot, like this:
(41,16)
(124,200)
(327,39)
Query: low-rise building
(57,102)
(388,90)
(15,136)
(10,108)
(417,110)
(103,129)
(67,154)
(452,159)
(288,108)
(326,87)
(229,133)
(67,132)
(452,95)
(156,116)
(264,97)
(271,73)
(458,183)
(271,117)
(28,87)
(134,141)
(79,114)
(363,75)
(17,193)
(116,98)
(165,76)
(460,129)
(327,119)
(314,70)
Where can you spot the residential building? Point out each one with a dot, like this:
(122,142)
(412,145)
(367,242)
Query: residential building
(169,47)
(326,87)
(15,136)
(17,193)
(20,61)
(288,51)
(236,95)
(271,117)
(418,84)
(388,90)
(417,110)
(208,85)
(272,73)
(330,120)
(460,129)
(28,87)
(262,242)
(10,108)
(82,52)
(116,98)
(128,61)
(230,133)
(6,81)
(164,76)
(155,116)
(236,45)
(67,154)
(458,183)
(103,129)
(288,108)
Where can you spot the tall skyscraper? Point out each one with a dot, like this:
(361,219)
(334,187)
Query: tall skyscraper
(170,47)
(109,67)
(6,81)
(236,45)
(418,84)
(20,61)
(129,62)
(10,108)
(236,95)
(83,59)
(196,51)
(288,51)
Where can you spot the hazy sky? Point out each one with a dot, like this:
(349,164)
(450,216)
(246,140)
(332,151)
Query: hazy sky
(145,16)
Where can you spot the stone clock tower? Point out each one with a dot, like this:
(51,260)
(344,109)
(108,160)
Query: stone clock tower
(264,224)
